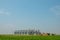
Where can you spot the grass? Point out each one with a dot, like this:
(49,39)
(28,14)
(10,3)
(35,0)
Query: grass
(17,37)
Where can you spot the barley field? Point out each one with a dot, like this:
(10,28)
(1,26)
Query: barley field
(18,37)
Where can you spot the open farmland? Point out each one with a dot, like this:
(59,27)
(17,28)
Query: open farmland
(17,37)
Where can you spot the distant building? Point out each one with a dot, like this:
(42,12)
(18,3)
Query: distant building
(27,32)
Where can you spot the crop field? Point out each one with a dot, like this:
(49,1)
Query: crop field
(18,37)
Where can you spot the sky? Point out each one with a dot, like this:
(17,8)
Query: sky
(43,15)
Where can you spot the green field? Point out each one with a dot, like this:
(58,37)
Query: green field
(17,37)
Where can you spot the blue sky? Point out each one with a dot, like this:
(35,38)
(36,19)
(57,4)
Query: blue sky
(30,14)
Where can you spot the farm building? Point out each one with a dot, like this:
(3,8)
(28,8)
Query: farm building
(27,32)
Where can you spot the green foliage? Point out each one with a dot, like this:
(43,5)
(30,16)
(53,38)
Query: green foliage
(17,37)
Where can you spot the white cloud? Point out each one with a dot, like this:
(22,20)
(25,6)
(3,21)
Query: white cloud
(56,10)
(7,28)
(4,12)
